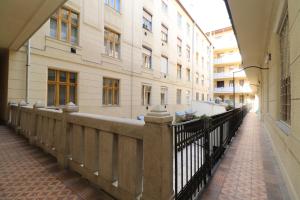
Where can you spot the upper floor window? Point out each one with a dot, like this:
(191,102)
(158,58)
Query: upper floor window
(197,96)
(285,87)
(220,84)
(188,29)
(164,65)
(242,99)
(179,20)
(188,97)
(188,53)
(220,69)
(164,33)
(178,96)
(179,71)
(202,80)
(110,91)
(115,4)
(202,97)
(112,43)
(197,78)
(163,95)
(230,83)
(241,83)
(179,46)
(164,6)
(147,57)
(147,20)
(146,95)
(188,74)
(64,25)
(62,87)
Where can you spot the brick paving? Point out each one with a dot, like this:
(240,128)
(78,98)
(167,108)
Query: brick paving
(249,169)
(26,172)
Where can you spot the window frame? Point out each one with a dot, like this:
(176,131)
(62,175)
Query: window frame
(145,26)
(178,96)
(144,56)
(164,32)
(115,42)
(146,100)
(114,7)
(113,88)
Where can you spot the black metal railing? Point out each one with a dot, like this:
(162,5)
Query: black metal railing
(199,144)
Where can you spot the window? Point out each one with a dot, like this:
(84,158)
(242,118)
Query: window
(179,49)
(202,80)
(188,74)
(64,25)
(285,87)
(178,96)
(164,34)
(146,95)
(197,58)
(164,65)
(241,98)
(197,78)
(179,20)
(241,83)
(110,91)
(188,29)
(112,43)
(147,20)
(163,95)
(202,97)
(188,53)
(115,4)
(220,69)
(220,84)
(188,97)
(147,57)
(164,7)
(62,87)
(230,83)
(197,96)
(179,71)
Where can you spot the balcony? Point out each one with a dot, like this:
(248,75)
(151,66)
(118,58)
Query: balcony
(224,75)
(232,58)
(238,89)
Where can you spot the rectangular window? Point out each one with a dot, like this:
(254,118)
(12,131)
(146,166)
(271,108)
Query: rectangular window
(197,78)
(164,34)
(220,69)
(179,71)
(188,97)
(115,4)
(112,43)
(202,97)
(230,83)
(62,87)
(146,95)
(188,74)
(110,91)
(179,46)
(178,96)
(147,20)
(164,7)
(197,96)
(285,87)
(164,65)
(147,57)
(241,98)
(64,25)
(241,83)
(220,84)
(188,53)
(163,95)
(179,20)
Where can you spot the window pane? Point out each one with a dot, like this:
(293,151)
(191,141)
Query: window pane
(74,35)
(73,94)
(74,18)
(64,14)
(118,5)
(111,3)
(73,77)
(62,76)
(51,95)
(53,28)
(64,31)
(62,94)
(51,75)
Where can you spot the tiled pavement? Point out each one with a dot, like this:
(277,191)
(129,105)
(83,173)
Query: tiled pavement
(249,169)
(28,173)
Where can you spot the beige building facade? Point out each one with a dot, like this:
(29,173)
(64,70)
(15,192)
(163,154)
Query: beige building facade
(227,60)
(274,44)
(117,58)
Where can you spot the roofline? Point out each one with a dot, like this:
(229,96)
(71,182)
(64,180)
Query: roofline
(191,18)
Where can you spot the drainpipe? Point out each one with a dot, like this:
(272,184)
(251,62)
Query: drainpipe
(28,62)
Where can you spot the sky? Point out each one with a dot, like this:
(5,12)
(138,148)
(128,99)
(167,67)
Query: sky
(209,14)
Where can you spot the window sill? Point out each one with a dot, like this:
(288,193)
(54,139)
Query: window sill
(112,58)
(284,127)
(109,106)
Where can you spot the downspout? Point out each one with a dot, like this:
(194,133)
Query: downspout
(28,62)
(131,67)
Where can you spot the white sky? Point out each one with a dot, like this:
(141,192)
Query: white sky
(209,14)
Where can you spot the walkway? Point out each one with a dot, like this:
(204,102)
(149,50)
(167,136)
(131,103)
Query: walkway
(248,169)
(28,173)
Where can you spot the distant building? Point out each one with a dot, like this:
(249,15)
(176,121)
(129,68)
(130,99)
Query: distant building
(227,60)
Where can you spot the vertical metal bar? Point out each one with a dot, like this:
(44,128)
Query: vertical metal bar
(175,130)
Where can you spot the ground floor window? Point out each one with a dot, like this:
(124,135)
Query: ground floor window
(62,87)
(178,96)
(197,96)
(146,95)
(110,91)
(163,95)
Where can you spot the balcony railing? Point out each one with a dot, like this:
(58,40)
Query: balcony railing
(124,157)
(238,89)
(222,75)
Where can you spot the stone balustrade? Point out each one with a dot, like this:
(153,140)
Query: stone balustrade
(128,159)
